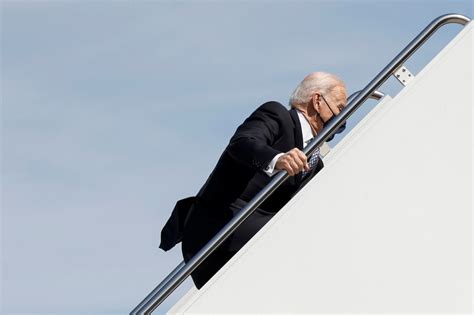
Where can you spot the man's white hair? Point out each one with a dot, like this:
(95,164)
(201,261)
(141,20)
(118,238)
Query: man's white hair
(321,82)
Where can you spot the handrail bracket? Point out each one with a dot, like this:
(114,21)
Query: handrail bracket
(403,75)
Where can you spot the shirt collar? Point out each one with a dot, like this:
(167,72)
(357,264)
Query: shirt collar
(305,128)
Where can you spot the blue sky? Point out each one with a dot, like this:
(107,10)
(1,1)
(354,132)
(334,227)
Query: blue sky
(114,110)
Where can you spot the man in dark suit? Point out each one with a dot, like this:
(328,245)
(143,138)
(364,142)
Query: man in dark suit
(269,140)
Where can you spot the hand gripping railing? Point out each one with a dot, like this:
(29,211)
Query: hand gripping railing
(182,271)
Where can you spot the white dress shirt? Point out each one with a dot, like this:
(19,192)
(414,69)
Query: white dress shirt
(307,136)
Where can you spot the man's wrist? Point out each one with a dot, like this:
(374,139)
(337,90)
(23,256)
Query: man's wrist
(270,168)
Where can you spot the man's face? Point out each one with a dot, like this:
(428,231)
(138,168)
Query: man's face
(332,103)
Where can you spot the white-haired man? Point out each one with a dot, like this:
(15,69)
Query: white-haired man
(269,140)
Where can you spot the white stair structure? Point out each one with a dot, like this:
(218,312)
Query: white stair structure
(385,226)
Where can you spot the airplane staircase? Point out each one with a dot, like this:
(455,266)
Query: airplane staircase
(384,227)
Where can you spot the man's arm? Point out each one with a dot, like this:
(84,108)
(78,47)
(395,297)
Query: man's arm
(251,143)
(270,169)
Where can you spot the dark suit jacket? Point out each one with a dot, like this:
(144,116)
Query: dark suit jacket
(269,130)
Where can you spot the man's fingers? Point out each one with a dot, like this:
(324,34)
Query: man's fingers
(294,165)
(304,159)
(296,159)
(293,162)
(288,168)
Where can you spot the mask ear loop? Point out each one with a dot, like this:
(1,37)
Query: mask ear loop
(333,114)
(341,128)
(313,129)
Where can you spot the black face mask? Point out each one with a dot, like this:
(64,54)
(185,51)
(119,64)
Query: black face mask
(339,130)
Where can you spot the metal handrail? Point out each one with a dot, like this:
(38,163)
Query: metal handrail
(376,95)
(180,273)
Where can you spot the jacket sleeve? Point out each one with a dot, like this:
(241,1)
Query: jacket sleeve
(172,232)
(251,143)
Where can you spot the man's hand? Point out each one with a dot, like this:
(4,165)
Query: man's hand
(293,161)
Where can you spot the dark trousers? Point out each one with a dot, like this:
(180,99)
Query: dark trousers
(204,222)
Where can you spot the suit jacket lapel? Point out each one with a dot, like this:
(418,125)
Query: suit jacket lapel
(298,140)
(298,132)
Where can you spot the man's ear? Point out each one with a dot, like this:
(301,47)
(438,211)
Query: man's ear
(316,102)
